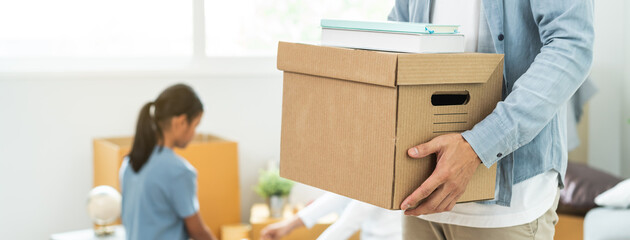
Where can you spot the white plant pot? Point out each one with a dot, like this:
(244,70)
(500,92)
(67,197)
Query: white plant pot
(276,206)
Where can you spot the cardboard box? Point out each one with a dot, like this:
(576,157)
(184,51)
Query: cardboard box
(215,159)
(349,116)
(569,227)
(235,231)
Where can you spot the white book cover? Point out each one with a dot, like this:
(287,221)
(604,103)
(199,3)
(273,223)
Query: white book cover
(393,42)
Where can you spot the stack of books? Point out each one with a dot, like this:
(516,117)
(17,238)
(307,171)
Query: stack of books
(392,36)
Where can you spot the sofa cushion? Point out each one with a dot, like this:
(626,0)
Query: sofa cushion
(616,197)
(582,185)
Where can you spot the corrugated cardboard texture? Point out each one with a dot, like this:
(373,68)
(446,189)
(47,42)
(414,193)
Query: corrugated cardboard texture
(348,118)
(419,122)
(416,69)
(348,64)
(339,136)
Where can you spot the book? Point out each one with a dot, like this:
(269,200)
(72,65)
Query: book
(393,41)
(390,26)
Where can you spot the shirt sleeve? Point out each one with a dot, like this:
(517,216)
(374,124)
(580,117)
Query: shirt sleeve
(183,194)
(322,206)
(566,31)
(349,222)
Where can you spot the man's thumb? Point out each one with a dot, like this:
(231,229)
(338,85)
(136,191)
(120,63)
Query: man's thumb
(424,149)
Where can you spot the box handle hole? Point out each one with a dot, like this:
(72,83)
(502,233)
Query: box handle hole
(450,98)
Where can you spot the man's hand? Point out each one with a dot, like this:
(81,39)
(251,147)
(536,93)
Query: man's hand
(280,229)
(456,164)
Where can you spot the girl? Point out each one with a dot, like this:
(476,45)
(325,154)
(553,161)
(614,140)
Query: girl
(159,188)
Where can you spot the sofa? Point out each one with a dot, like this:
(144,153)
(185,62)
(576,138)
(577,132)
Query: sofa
(579,216)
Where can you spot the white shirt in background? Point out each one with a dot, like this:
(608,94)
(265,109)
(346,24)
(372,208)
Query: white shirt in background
(459,12)
(374,222)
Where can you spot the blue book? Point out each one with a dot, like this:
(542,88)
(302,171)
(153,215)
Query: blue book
(389,26)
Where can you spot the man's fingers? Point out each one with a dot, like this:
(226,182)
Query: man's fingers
(451,206)
(424,149)
(426,189)
(430,204)
(445,202)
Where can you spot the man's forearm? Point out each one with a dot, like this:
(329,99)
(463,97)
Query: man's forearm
(556,73)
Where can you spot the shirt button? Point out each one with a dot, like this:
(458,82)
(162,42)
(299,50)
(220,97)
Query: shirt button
(499,154)
(501,37)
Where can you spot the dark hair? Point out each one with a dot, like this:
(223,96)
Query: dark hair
(174,101)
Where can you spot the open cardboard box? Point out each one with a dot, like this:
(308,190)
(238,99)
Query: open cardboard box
(349,116)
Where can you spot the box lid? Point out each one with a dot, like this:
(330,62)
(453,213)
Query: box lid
(387,68)
(341,63)
(423,69)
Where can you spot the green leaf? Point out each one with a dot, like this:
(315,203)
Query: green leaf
(271,184)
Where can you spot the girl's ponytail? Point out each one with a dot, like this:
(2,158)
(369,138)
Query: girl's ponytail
(174,101)
(145,139)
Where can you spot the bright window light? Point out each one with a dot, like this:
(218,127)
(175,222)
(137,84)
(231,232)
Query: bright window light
(254,27)
(95,28)
(146,35)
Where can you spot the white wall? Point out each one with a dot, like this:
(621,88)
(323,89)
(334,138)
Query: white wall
(625,159)
(47,127)
(608,136)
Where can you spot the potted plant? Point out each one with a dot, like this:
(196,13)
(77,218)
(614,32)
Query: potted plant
(274,190)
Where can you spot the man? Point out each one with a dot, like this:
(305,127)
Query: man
(548,54)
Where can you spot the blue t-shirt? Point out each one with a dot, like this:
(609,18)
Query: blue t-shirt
(156,200)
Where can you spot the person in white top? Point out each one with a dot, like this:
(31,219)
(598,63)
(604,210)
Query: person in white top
(375,223)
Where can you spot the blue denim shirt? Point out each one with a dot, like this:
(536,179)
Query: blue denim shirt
(548,47)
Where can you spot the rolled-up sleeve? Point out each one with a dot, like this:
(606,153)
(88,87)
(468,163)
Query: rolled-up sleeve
(566,31)
(322,206)
(350,221)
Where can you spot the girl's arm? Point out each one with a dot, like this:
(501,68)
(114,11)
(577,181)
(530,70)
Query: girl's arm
(197,229)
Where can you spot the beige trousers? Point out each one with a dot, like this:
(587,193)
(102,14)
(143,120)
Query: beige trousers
(541,228)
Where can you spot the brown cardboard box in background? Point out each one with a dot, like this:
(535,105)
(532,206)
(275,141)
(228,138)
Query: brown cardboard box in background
(349,116)
(215,159)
